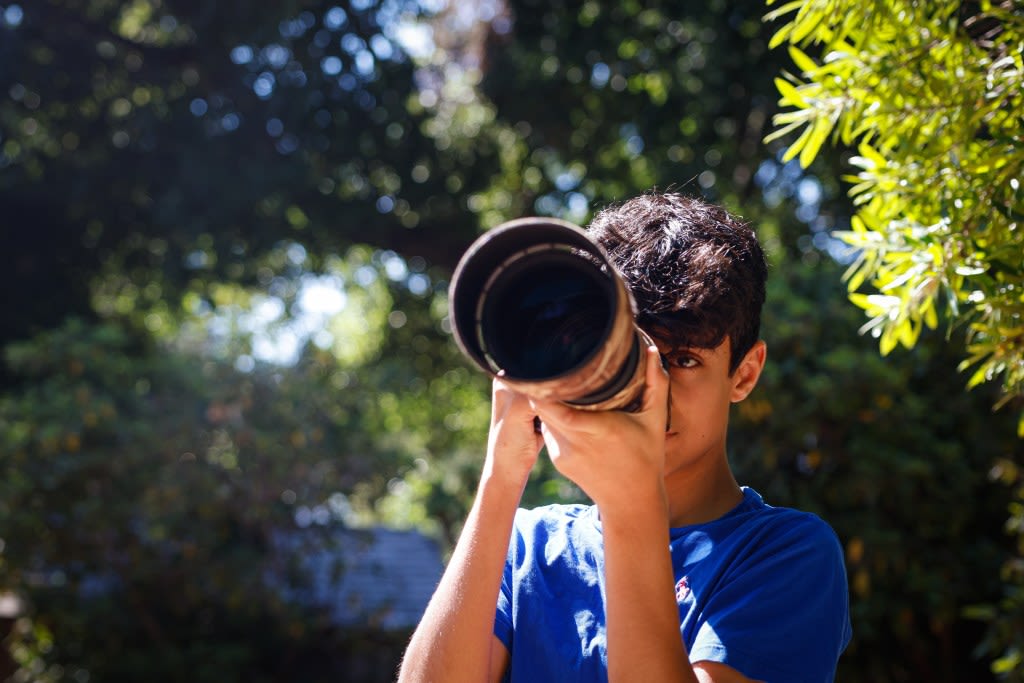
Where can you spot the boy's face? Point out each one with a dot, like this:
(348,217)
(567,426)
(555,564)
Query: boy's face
(701,391)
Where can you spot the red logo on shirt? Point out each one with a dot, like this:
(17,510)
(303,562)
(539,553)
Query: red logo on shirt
(682,589)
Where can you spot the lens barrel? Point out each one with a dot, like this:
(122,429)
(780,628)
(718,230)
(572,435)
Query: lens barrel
(537,302)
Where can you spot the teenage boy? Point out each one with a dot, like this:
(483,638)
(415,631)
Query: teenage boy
(676,573)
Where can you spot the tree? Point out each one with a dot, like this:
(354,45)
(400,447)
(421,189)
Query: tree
(140,491)
(931,94)
(603,101)
(146,478)
(170,142)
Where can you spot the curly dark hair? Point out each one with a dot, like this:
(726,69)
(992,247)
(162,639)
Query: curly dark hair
(697,273)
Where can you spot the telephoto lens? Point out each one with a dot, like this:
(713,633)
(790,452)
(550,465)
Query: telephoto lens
(537,302)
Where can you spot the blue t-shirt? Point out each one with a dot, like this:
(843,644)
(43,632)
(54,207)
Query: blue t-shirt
(761,589)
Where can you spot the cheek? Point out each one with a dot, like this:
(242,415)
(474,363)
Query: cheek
(700,407)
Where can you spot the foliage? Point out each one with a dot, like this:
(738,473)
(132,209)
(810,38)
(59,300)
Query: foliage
(1005,613)
(142,484)
(185,141)
(931,94)
(597,102)
(139,489)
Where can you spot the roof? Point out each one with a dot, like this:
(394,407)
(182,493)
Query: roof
(376,577)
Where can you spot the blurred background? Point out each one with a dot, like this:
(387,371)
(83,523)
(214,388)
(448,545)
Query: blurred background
(236,438)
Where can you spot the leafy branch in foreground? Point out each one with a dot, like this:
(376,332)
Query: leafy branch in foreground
(931,95)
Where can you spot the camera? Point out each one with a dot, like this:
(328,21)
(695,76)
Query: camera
(536,302)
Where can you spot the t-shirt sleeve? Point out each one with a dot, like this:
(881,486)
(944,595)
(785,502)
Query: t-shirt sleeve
(782,614)
(503,623)
(503,614)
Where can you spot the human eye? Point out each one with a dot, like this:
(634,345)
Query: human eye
(683,360)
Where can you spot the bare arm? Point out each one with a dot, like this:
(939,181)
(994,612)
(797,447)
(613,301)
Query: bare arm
(643,619)
(455,640)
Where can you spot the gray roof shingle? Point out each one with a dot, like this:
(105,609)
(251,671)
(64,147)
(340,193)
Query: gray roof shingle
(376,577)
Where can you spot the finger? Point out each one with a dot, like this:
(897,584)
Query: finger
(508,403)
(656,379)
(547,410)
(554,413)
(498,387)
(499,383)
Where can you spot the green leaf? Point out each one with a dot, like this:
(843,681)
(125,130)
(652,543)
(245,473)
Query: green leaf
(931,317)
(980,375)
(780,36)
(1007,663)
(806,25)
(819,132)
(790,95)
(980,612)
(798,144)
(856,273)
(803,62)
(784,9)
(781,132)
(888,341)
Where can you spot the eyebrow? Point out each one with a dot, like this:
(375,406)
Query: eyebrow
(694,351)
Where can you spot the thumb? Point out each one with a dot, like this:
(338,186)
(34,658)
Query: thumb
(656,381)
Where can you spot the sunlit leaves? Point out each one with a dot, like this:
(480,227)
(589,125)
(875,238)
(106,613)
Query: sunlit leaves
(934,106)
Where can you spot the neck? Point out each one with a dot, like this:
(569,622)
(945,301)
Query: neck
(700,495)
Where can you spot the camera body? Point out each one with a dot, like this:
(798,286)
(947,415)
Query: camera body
(536,302)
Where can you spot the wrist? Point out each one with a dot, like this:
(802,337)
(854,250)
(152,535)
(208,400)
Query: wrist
(510,461)
(638,505)
(504,474)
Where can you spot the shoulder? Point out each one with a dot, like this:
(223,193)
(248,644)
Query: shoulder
(783,556)
(782,529)
(800,535)
(792,569)
(775,605)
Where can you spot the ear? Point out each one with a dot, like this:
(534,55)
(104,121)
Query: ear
(744,379)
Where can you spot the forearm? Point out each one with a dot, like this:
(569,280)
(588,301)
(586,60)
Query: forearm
(453,640)
(643,618)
